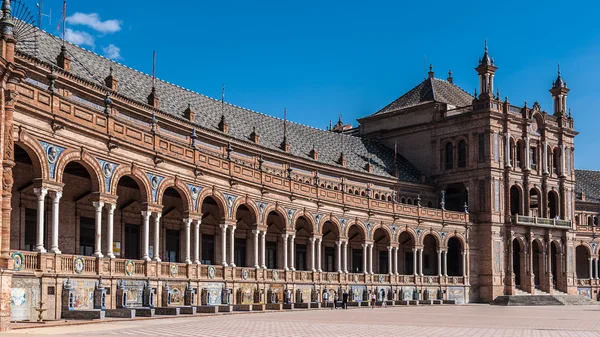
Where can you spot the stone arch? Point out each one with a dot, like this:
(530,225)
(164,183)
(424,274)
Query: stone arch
(457,235)
(309,218)
(136,174)
(436,236)
(277,209)
(409,230)
(180,187)
(521,241)
(386,229)
(217,197)
(36,152)
(586,246)
(333,220)
(250,204)
(361,225)
(83,158)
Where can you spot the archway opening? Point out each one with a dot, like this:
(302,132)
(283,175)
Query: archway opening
(381,242)
(552,205)
(211,232)
(430,256)
(171,247)
(406,254)
(534,203)
(537,252)
(554,249)
(244,242)
(79,181)
(128,219)
(304,232)
(516,260)
(454,258)
(582,258)
(275,253)
(329,253)
(24,202)
(515,201)
(356,240)
(456,197)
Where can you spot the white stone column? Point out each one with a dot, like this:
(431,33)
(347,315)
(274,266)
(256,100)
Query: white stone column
(415,266)
(197,259)
(264,249)
(464,264)
(319,257)
(527,154)
(312,253)
(390,261)
(507,161)
(55,207)
(439,262)
(591,270)
(156,253)
(371,258)
(224,244)
(545,159)
(365,252)
(110,219)
(41,197)
(146,235)
(446,263)
(232,247)
(396,261)
(292,252)
(562,160)
(188,239)
(345,242)
(285,250)
(339,255)
(421,261)
(256,262)
(98,205)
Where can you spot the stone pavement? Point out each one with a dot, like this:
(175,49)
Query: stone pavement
(464,320)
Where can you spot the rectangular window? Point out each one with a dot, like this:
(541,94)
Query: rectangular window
(30,229)
(532,158)
(482,195)
(87,233)
(481,147)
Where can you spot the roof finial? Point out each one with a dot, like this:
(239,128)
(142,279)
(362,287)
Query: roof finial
(450,79)
(485,43)
(430,73)
(558,68)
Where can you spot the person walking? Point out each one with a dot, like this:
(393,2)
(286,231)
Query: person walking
(345,300)
(335,301)
(325,298)
(373,300)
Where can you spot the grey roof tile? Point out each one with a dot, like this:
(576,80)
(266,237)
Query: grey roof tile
(430,90)
(588,182)
(174,100)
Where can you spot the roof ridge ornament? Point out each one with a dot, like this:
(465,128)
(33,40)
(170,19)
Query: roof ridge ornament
(450,78)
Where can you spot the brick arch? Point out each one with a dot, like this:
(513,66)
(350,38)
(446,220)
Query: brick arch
(83,158)
(559,244)
(436,236)
(36,152)
(217,196)
(541,244)
(248,202)
(309,218)
(361,225)
(180,187)
(277,209)
(386,229)
(334,220)
(586,245)
(136,174)
(409,230)
(460,238)
(521,241)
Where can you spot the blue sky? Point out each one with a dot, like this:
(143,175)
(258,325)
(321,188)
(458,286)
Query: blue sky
(323,58)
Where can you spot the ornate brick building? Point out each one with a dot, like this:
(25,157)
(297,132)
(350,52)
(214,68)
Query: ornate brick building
(114,178)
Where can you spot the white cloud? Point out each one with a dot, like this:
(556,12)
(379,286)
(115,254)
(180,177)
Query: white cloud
(79,38)
(112,52)
(93,21)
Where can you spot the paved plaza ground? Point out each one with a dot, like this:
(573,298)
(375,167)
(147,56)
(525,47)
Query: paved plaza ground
(464,320)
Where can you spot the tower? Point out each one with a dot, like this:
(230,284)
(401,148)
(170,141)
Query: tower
(559,93)
(486,70)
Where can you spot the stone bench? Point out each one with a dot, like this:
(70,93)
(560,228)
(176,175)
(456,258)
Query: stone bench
(449,302)
(353,304)
(187,310)
(258,307)
(207,309)
(242,307)
(171,311)
(144,312)
(437,301)
(225,308)
(315,305)
(301,306)
(426,302)
(120,313)
(274,306)
(83,314)
(288,306)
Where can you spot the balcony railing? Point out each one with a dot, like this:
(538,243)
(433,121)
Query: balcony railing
(27,263)
(542,222)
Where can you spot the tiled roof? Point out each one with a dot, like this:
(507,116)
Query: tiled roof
(588,182)
(430,90)
(174,100)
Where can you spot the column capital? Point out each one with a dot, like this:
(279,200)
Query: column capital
(55,195)
(256,231)
(98,205)
(157,215)
(111,207)
(187,222)
(40,192)
(223,226)
(146,214)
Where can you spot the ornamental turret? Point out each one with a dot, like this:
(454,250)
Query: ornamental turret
(559,93)
(486,70)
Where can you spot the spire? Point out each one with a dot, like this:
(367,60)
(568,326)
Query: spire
(559,93)
(486,60)
(450,79)
(430,73)
(153,97)
(223,125)
(486,70)
(285,146)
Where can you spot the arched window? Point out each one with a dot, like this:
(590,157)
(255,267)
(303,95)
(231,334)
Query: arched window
(577,220)
(590,221)
(449,156)
(409,201)
(389,198)
(350,191)
(356,192)
(520,158)
(555,160)
(403,200)
(362,194)
(462,154)
(429,204)
(376,195)
(595,221)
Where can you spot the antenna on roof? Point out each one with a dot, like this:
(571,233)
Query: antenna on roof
(222,100)
(40,6)
(64,19)
(284,125)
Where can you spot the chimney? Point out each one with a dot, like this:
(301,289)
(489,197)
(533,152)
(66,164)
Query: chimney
(314,153)
(153,98)
(63,60)
(254,136)
(189,114)
(342,160)
(111,81)
(223,125)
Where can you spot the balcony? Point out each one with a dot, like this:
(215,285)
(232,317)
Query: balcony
(540,222)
